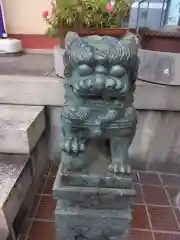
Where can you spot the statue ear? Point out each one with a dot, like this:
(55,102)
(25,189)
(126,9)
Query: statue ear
(70,38)
(77,50)
(130,40)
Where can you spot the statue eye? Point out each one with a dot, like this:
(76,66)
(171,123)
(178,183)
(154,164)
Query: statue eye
(117,71)
(84,70)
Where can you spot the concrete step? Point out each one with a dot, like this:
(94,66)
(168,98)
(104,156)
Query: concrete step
(19,181)
(11,167)
(49,91)
(31,90)
(20,128)
(28,64)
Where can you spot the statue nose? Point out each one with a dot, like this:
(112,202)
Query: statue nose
(99,82)
(100,69)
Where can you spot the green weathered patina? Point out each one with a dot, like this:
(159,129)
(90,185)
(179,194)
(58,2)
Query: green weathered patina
(100,75)
(93,186)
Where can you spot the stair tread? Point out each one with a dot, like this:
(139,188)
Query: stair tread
(11,166)
(18,117)
(20,128)
(19,175)
(31,90)
(27,65)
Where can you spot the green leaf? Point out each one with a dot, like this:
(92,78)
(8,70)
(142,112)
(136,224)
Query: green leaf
(66,3)
(77,14)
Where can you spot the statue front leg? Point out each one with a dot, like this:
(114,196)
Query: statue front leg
(119,147)
(73,148)
(73,154)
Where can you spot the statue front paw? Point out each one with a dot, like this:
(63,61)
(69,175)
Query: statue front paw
(73,146)
(120,168)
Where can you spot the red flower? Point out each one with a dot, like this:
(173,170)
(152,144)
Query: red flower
(45,13)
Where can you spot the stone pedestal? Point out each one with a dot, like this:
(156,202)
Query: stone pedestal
(82,223)
(92,203)
(93,212)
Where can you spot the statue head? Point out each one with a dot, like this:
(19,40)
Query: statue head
(96,66)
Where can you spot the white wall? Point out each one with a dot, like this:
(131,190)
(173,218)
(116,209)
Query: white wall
(24,16)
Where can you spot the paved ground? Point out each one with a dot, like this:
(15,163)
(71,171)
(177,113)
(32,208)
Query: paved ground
(155,216)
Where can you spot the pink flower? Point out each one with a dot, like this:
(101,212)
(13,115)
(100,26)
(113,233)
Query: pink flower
(109,7)
(45,13)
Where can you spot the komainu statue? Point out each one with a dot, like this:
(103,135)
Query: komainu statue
(100,75)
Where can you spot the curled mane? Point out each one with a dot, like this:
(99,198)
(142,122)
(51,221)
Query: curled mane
(86,50)
(77,50)
(118,53)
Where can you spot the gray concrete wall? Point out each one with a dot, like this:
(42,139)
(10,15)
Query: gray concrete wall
(157,99)
(156,144)
(54,116)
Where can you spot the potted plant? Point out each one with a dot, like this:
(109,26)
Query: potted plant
(87,17)
(166,39)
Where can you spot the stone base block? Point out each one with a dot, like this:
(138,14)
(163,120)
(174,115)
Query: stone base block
(94,197)
(60,235)
(95,172)
(95,180)
(92,204)
(81,223)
